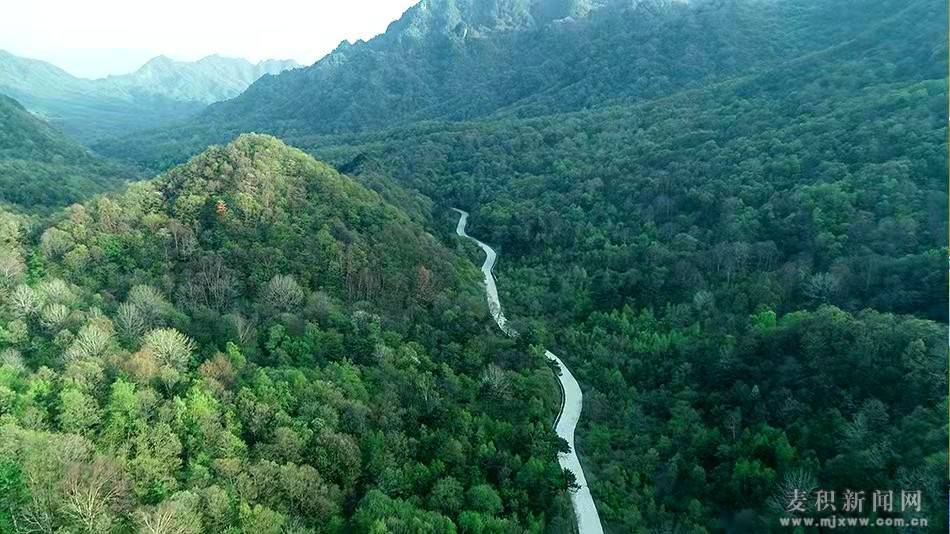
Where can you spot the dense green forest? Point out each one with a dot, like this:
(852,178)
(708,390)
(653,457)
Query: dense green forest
(40,167)
(728,218)
(165,365)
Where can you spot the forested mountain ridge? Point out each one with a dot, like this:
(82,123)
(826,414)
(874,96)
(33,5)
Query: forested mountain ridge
(159,93)
(735,246)
(740,273)
(461,60)
(253,342)
(841,130)
(40,167)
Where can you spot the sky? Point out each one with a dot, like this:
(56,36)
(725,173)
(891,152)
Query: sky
(95,38)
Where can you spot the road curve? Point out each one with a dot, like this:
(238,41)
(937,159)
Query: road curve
(585,512)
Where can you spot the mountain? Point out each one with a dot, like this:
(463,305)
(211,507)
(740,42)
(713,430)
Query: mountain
(39,166)
(730,216)
(720,265)
(464,59)
(242,196)
(254,342)
(161,92)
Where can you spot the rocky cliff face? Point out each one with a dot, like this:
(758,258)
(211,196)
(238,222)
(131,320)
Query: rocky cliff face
(472,18)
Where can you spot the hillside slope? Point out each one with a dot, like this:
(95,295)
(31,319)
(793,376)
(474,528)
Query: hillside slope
(39,166)
(742,275)
(254,342)
(741,263)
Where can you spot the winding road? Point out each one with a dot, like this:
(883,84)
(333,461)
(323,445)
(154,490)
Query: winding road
(588,520)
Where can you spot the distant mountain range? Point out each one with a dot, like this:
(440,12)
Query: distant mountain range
(160,92)
(211,79)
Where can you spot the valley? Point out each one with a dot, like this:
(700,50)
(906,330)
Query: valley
(572,399)
(242,297)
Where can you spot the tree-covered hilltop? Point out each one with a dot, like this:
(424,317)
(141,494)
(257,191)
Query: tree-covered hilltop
(160,93)
(252,342)
(40,167)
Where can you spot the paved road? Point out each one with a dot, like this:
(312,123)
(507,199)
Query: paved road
(588,520)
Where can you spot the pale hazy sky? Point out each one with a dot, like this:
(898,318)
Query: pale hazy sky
(93,38)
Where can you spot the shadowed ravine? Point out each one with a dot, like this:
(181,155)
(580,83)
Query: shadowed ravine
(588,520)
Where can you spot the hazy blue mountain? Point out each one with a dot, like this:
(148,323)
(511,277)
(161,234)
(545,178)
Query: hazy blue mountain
(39,166)
(211,79)
(42,79)
(161,92)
